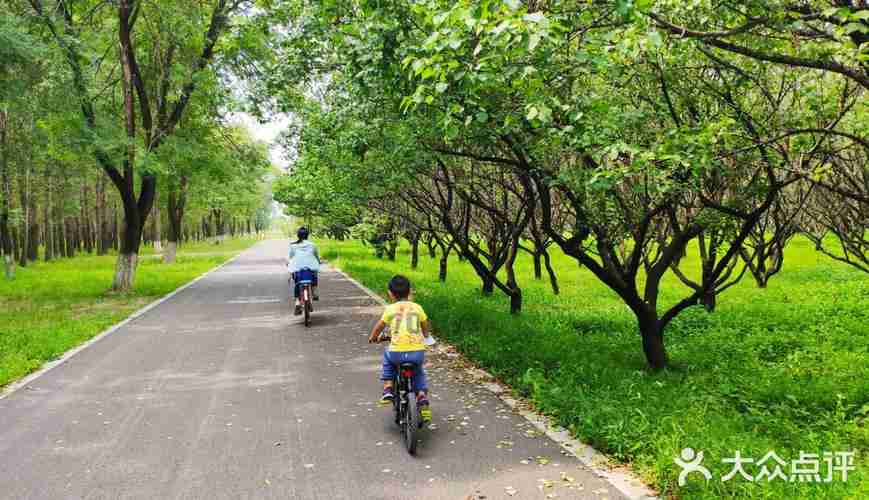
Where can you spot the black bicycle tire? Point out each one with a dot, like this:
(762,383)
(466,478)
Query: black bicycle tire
(396,401)
(411,423)
(307,307)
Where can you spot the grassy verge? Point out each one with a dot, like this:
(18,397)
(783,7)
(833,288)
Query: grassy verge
(50,308)
(785,369)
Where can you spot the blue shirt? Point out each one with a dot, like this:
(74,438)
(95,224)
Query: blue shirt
(304,255)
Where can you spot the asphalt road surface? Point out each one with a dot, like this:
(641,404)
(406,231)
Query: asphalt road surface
(221,393)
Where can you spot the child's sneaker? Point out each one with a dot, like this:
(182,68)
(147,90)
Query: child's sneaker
(388,396)
(424,407)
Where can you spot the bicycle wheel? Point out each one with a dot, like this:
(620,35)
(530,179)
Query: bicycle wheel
(306,304)
(411,423)
(396,401)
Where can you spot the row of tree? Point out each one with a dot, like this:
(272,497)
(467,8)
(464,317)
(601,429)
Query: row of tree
(623,132)
(102,102)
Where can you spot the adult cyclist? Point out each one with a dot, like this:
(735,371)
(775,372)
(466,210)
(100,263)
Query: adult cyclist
(303,256)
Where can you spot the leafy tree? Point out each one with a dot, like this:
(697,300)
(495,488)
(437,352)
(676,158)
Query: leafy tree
(177,42)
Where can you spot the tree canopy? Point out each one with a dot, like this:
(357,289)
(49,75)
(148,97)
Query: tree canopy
(622,132)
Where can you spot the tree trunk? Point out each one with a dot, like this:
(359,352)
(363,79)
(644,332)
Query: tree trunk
(24,228)
(218,226)
(6,244)
(516,301)
(16,244)
(8,261)
(414,253)
(70,237)
(488,286)
(653,342)
(391,249)
(104,241)
(125,271)
(515,292)
(128,256)
(445,256)
(33,238)
(158,231)
(135,217)
(553,280)
(60,226)
(538,267)
(175,206)
(761,279)
(116,233)
(709,300)
(442,269)
(47,226)
(5,235)
(84,220)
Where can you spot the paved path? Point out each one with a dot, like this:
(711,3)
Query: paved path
(220,393)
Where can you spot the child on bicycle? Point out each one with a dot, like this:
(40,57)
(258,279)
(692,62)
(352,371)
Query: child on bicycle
(303,256)
(408,327)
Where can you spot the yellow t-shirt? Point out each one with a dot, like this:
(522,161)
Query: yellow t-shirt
(405,321)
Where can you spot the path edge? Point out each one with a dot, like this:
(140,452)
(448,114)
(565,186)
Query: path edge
(46,367)
(619,477)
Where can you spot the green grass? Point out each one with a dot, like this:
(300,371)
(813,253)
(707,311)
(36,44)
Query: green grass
(50,308)
(785,369)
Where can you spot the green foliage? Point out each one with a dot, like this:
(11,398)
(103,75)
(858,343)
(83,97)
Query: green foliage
(777,369)
(18,50)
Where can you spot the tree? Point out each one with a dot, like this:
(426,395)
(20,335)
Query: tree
(826,37)
(154,101)
(18,52)
(614,136)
